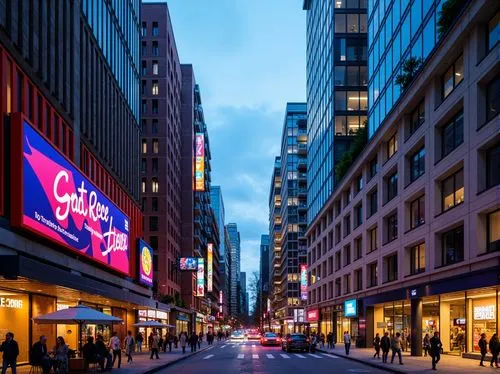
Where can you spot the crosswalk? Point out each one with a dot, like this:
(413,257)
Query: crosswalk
(271,356)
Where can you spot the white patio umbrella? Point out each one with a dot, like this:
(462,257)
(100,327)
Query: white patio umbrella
(152,324)
(77,315)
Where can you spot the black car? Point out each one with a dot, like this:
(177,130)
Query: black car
(295,342)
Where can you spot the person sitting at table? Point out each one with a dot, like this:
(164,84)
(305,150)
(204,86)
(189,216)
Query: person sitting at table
(103,354)
(60,361)
(89,351)
(39,356)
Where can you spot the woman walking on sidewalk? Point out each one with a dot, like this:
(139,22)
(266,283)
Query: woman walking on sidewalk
(183,340)
(494,349)
(376,345)
(129,346)
(385,344)
(426,344)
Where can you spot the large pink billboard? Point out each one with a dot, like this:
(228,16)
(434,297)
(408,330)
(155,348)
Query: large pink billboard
(55,200)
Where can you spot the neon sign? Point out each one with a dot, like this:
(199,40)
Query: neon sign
(199,164)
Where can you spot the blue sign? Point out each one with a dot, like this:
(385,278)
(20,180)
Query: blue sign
(351,308)
(61,204)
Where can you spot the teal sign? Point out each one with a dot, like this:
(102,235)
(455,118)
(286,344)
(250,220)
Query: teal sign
(351,308)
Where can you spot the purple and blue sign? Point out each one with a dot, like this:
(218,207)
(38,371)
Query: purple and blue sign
(61,204)
(145,263)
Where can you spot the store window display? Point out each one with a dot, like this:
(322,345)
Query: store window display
(453,322)
(430,315)
(482,311)
(14,317)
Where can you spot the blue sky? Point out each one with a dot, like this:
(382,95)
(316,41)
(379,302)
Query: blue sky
(249,60)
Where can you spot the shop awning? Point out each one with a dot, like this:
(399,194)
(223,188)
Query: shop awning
(152,324)
(77,315)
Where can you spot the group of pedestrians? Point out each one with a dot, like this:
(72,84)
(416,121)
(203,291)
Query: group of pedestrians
(493,345)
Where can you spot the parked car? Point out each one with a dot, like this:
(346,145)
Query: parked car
(270,338)
(295,342)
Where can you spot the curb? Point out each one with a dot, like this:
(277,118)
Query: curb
(372,364)
(170,363)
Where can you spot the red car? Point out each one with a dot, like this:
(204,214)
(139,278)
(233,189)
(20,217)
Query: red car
(270,338)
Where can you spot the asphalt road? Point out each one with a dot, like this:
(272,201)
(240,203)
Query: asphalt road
(250,357)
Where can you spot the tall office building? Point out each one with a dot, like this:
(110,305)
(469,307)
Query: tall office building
(243,300)
(161,145)
(336,89)
(409,241)
(199,225)
(69,109)
(235,268)
(217,203)
(264,272)
(293,197)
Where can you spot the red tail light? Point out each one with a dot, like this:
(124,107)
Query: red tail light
(279,340)
(289,340)
(265,339)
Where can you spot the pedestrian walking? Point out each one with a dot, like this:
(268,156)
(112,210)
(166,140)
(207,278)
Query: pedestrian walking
(176,340)
(483,346)
(183,340)
(139,339)
(129,346)
(150,340)
(426,343)
(376,345)
(193,341)
(396,348)
(10,350)
(200,339)
(347,342)
(154,346)
(494,349)
(115,345)
(103,354)
(385,345)
(435,349)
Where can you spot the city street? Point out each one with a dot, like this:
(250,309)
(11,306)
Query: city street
(251,357)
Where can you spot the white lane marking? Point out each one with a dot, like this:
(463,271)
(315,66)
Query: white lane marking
(255,356)
(329,356)
(253,345)
(241,356)
(316,356)
(207,357)
(299,356)
(270,356)
(284,356)
(223,346)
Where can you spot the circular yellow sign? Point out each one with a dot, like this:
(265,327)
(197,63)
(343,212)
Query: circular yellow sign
(146,260)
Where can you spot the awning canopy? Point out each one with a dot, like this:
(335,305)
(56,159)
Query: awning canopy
(152,324)
(77,315)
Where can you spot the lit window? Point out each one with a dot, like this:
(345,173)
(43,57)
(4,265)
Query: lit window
(392,146)
(155,146)
(493,231)
(453,76)
(452,190)
(154,88)
(143,185)
(144,146)
(155,67)
(154,185)
(417,259)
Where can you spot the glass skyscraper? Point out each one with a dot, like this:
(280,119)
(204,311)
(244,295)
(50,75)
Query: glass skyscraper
(397,30)
(336,89)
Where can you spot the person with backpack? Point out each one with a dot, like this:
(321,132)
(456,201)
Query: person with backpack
(494,346)
(385,345)
(435,349)
(376,345)
(130,345)
(483,347)
(396,348)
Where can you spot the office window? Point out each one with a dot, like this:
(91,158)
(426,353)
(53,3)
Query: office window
(417,259)
(492,162)
(347,225)
(338,262)
(154,185)
(373,167)
(154,88)
(144,85)
(493,31)
(144,106)
(144,50)
(153,223)
(493,98)
(391,263)
(347,284)
(358,183)
(452,135)
(417,212)
(358,214)
(363,76)
(453,76)
(392,186)
(452,246)
(154,106)
(493,231)
(392,227)
(156,146)
(337,287)
(144,146)
(340,100)
(372,239)
(154,165)
(417,164)
(155,30)
(358,279)
(340,79)
(352,75)
(143,185)
(155,67)
(452,190)
(372,274)
(353,23)
(347,255)
(154,204)
(340,23)
(392,146)
(154,126)
(143,165)
(155,51)
(144,29)
(372,200)
(337,233)
(143,204)
(144,70)
(417,117)
(358,248)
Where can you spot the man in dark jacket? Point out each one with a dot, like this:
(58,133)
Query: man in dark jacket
(39,355)
(483,347)
(193,341)
(10,350)
(385,344)
(435,349)
(103,354)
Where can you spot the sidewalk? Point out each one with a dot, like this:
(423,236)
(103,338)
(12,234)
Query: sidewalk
(143,364)
(448,364)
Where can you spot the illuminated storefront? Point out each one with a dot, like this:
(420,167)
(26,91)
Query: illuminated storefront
(313,319)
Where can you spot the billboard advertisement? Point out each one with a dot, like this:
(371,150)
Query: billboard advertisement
(200,278)
(221,302)
(312,315)
(145,263)
(199,162)
(61,204)
(303,282)
(351,308)
(188,263)
(210,267)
